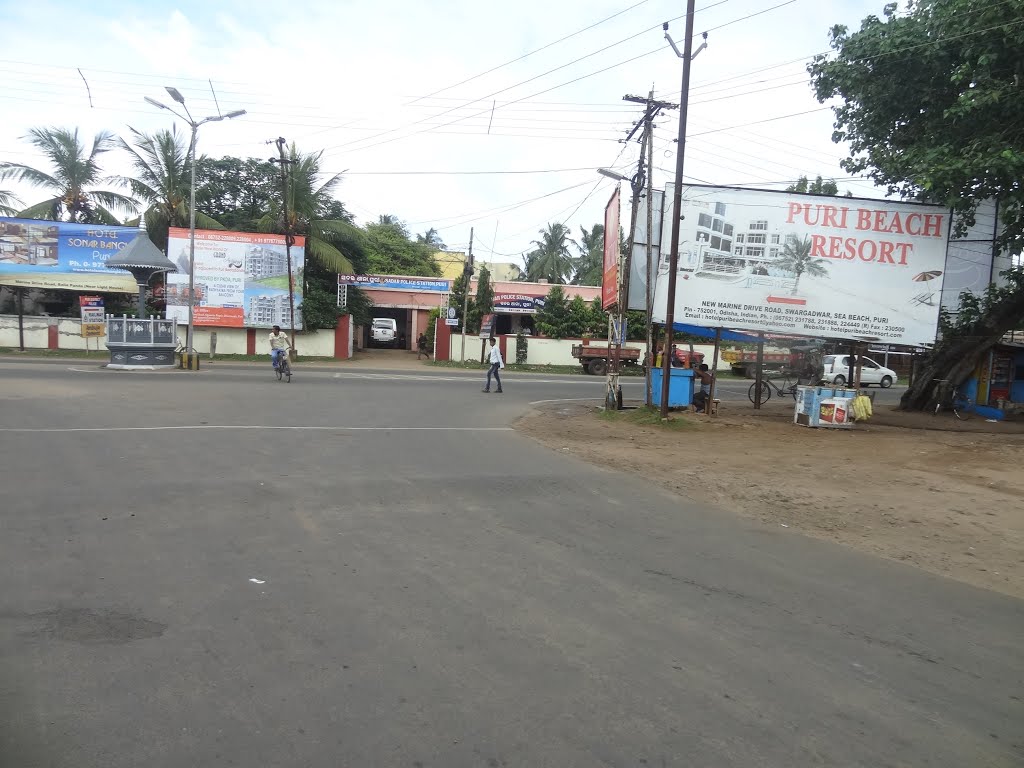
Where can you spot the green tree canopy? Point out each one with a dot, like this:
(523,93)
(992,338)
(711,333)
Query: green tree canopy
(819,186)
(237,192)
(554,320)
(551,259)
(162,178)
(9,203)
(932,103)
(333,243)
(72,180)
(390,250)
(588,266)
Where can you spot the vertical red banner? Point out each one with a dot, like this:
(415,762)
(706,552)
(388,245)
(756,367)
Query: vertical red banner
(610,281)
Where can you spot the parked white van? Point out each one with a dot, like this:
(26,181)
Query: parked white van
(384,332)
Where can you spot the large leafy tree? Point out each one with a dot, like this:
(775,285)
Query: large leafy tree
(588,266)
(551,258)
(162,178)
(820,186)
(796,258)
(238,192)
(932,107)
(390,250)
(555,320)
(72,180)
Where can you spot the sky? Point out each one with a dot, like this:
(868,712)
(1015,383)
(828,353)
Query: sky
(450,114)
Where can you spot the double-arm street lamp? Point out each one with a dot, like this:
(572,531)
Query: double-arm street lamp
(176,95)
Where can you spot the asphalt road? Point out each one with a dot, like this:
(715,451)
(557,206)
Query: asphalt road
(364,568)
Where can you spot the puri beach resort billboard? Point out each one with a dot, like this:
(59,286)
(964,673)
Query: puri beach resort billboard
(807,265)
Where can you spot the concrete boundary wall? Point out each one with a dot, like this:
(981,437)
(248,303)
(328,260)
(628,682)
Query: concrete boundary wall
(65,333)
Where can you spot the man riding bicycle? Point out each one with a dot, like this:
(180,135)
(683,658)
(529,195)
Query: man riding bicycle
(279,345)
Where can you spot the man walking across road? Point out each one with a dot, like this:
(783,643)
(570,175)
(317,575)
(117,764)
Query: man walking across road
(496,365)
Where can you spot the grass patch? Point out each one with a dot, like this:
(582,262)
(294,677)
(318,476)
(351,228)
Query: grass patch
(29,352)
(647,417)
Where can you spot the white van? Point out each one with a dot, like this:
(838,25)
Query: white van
(837,368)
(384,332)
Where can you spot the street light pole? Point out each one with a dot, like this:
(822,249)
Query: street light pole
(677,199)
(194,124)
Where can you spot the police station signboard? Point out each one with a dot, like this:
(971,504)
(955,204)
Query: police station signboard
(518,303)
(807,265)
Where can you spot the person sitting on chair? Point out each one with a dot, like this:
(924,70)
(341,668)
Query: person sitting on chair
(701,395)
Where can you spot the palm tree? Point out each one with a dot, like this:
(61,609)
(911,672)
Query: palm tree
(9,203)
(75,173)
(163,179)
(551,259)
(796,258)
(589,265)
(326,239)
(431,238)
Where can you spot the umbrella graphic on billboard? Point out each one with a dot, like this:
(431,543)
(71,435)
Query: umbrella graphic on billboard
(926,277)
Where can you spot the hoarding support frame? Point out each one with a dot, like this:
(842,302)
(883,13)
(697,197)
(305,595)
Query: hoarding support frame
(21,319)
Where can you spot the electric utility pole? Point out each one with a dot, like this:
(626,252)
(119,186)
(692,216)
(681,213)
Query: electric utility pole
(687,56)
(467,273)
(652,109)
(289,238)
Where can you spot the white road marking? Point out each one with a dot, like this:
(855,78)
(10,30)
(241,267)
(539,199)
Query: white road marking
(256,426)
(563,400)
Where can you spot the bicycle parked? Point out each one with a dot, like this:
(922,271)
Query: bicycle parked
(768,385)
(952,399)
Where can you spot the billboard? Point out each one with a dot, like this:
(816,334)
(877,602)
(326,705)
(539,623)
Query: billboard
(610,275)
(809,265)
(398,283)
(64,255)
(241,279)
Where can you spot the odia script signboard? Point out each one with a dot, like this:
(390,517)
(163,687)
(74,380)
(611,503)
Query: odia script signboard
(811,265)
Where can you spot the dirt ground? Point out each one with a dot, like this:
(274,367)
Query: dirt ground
(943,495)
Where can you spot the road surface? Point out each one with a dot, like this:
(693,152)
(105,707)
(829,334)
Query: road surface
(364,568)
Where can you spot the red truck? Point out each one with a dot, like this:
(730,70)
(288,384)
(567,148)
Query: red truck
(595,359)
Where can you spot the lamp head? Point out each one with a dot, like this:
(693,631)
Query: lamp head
(175,94)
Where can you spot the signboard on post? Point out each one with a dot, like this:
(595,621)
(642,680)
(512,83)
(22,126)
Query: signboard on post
(518,303)
(610,278)
(487,327)
(64,255)
(451,316)
(241,279)
(810,265)
(93,317)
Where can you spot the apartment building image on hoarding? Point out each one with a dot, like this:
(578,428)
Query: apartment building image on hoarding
(727,247)
(262,262)
(269,310)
